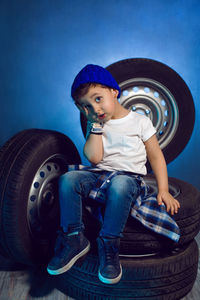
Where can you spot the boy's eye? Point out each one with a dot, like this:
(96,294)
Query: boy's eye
(97,99)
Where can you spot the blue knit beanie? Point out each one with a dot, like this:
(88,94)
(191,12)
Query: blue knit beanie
(94,74)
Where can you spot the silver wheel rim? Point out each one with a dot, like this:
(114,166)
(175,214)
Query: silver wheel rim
(43,202)
(152,99)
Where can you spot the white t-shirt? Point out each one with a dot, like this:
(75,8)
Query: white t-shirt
(123,141)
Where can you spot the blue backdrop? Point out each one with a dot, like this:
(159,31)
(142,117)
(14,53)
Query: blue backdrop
(44,43)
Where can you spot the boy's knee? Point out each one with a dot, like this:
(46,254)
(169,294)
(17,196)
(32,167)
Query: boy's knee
(122,185)
(67,179)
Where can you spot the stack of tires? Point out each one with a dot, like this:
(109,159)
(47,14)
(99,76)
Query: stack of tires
(32,161)
(153,267)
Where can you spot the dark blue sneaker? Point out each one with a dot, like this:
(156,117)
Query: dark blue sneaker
(68,250)
(110,270)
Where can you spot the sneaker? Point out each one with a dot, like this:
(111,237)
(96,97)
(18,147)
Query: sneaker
(110,270)
(68,250)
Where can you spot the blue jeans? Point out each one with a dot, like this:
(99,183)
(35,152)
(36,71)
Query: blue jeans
(75,186)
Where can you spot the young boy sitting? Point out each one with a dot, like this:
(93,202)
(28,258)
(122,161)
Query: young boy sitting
(119,141)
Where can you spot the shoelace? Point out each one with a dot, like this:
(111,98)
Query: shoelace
(110,253)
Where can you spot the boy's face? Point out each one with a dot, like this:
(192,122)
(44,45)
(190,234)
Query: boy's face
(99,104)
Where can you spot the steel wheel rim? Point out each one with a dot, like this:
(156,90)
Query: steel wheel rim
(152,99)
(43,200)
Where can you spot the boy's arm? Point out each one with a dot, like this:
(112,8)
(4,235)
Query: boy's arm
(93,149)
(158,164)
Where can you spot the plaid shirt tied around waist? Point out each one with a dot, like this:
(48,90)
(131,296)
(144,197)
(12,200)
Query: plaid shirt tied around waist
(145,209)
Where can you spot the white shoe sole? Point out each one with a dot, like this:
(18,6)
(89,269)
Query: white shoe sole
(108,280)
(70,263)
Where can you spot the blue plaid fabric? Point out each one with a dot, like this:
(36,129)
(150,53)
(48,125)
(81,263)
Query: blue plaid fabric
(145,209)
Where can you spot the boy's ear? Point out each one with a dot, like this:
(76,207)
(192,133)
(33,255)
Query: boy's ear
(115,92)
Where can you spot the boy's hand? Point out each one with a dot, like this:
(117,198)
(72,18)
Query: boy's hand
(83,109)
(86,112)
(170,202)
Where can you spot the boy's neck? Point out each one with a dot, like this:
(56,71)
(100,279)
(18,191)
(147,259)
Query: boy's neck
(120,111)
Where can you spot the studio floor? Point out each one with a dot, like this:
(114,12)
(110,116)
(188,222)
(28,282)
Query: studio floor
(24,283)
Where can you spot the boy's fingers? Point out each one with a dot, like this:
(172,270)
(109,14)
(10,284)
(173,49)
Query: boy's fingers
(82,109)
(79,106)
(86,111)
(172,210)
(175,207)
(172,206)
(168,207)
(159,199)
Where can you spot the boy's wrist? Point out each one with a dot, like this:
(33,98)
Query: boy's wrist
(163,190)
(96,128)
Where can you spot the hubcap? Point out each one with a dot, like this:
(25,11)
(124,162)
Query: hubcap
(43,202)
(152,99)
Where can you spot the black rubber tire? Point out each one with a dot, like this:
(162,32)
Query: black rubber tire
(156,71)
(28,230)
(137,239)
(167,276)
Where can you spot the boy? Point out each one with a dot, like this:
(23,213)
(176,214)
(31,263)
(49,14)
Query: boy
(117,143)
